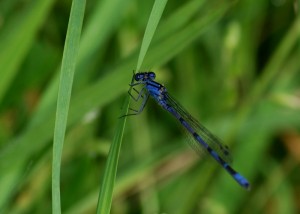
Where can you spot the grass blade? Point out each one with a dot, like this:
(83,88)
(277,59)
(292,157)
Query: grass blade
(154,18)
(64,95)
(106,192)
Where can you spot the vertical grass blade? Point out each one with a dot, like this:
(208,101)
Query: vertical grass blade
(107,186)
(106,191)
(64,94)
(154,18)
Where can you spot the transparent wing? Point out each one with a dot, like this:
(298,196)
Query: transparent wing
(211,140)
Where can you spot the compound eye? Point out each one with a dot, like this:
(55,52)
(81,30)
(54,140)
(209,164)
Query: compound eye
(139,76)
(152,75)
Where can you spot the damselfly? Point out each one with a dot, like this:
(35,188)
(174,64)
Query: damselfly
(203,140)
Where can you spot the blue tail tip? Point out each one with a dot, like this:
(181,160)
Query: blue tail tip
(242,181)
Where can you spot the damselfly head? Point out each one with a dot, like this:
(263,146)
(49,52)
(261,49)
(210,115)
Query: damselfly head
(142,76)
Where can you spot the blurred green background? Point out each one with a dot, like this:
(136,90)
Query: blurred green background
(233,64)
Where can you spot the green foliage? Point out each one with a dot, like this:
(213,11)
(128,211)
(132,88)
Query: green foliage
(233,64)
